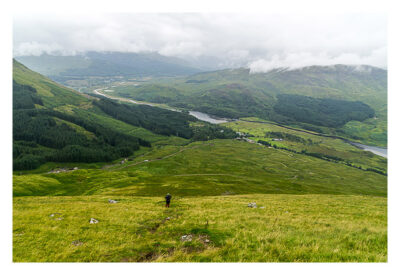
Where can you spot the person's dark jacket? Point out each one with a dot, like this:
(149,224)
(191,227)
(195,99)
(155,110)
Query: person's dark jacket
(168,198)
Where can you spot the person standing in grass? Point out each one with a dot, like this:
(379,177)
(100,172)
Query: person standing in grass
(167,200)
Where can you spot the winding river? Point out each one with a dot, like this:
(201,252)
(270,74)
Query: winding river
(208,118)
(380,151)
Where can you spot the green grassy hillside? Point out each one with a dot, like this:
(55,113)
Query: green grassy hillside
(52,94)
(209,169)
(311,210)
(290,228)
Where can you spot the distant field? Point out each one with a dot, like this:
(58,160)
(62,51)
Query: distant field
(311,143)
(291,228)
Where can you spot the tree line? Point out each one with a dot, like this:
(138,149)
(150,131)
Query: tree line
(321,111)
(41,135)
(25,96)
(157,120)
(163,122)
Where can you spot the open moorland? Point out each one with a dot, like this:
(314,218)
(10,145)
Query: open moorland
(284,228)
(304,211)
(90,176)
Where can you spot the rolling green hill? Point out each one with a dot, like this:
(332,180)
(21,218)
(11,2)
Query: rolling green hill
(309,210)
(239,93)
(209,169)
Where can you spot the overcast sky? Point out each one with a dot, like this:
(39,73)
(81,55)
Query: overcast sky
(261,42)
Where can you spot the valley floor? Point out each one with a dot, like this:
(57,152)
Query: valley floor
(283,228)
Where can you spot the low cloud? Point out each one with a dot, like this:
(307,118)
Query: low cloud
(259,41)
(36,49)
(298,60)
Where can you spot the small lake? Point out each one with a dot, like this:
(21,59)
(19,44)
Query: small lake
(208,118)
(380,151)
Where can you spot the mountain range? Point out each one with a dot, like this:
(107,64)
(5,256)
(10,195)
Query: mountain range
(100,64)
